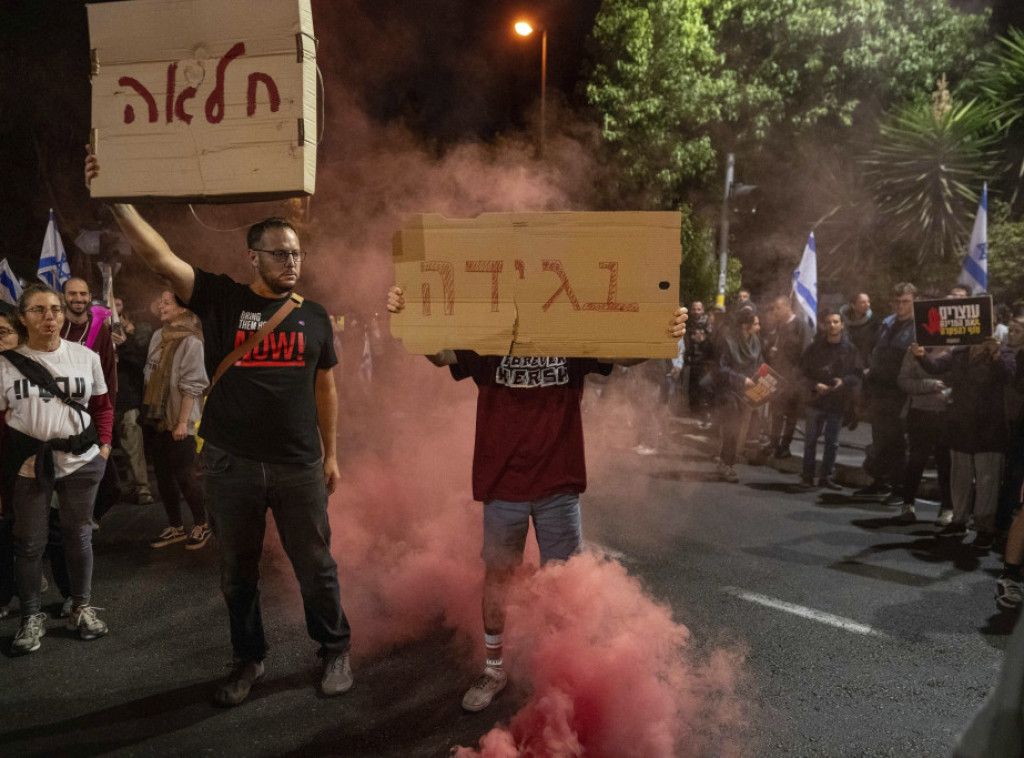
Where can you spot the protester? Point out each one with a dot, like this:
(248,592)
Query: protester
(830,368)
(85,324)
(860,324)
(887,459)
(927,403)
(175,383)
(528,463)
(8,341)
(788,337)
(55,439)
(1010,494)
(700,359)
(978,434)
(263,427)
(738,360)
(131,342)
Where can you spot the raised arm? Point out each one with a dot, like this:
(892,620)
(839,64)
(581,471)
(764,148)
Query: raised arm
(147,242)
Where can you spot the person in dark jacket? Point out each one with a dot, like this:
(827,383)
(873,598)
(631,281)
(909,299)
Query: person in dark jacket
(978,433)
(887,460)
(830,368)
(739,359)
(860,324)
(132,344)
(789,337)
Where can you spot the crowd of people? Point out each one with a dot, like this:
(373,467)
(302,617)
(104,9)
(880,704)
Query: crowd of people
(960,409)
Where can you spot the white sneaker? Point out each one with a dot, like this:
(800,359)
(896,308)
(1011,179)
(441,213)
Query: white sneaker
(83,620)
(1009,593)
(945,517)
(489,684)
(169,536)
(31,630)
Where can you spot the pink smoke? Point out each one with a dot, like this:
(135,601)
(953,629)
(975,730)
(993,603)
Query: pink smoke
(610,671)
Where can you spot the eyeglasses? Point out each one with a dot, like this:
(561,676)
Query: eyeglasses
(7,333)
(282,256)
(39,310)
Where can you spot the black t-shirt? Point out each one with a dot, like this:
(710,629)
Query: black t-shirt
(264,406)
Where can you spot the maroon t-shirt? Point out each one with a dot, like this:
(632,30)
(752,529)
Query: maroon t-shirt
(529,430)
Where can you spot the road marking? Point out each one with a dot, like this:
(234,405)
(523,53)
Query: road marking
(808,613)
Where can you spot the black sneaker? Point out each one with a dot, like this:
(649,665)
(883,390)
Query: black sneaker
(875,489)
(952,531)
(983,541)
(782,453)
(829,483)
(169,536)
(894,499)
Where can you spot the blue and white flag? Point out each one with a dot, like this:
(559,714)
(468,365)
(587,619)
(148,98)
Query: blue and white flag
(10,287)
(53,262)
(805,283)
(974,274)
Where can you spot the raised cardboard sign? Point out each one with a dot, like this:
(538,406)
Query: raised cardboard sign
(203,99)
(953,321)
(602,285)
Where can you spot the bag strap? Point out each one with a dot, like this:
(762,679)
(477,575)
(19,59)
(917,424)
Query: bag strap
(294,301)
(36,373)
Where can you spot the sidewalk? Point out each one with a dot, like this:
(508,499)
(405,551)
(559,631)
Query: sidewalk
(849,460)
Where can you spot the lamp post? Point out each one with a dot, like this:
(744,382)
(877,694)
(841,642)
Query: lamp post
(525,29)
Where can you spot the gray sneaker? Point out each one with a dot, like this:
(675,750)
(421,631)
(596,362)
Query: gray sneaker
(84,620)
(29,633)
(244,674)
(489,684)
(1009,593)
(337,676)
(945,517)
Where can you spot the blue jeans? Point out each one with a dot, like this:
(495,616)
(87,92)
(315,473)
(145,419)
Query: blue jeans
(556,522)
(830,422)
(238,493)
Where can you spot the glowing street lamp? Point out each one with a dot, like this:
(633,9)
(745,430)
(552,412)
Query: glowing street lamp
(525,29)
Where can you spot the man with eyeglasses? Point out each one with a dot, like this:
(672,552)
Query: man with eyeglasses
(263,426)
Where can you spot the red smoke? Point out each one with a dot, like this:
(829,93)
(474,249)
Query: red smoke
(610,672)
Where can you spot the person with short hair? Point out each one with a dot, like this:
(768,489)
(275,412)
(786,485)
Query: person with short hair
(52,444)
(788,337)
(830,368)
(887,460)
(270,437)
(739,358)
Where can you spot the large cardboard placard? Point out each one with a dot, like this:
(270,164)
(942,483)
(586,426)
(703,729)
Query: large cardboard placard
(203,99)
(601,285)
(954,321)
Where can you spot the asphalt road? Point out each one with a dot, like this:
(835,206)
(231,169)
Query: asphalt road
(860,638)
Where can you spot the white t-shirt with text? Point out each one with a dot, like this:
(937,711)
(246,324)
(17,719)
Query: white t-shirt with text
(34,411)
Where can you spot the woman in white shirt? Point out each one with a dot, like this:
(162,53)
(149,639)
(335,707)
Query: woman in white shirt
(52,445)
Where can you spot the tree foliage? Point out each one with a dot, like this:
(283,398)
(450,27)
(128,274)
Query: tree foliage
(1001,80)
(1005,256)
(674,81)
(927,171)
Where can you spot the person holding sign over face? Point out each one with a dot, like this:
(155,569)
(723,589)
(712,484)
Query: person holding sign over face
(275,353)
(528,463)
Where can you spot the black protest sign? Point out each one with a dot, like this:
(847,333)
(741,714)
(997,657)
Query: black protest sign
(953,321)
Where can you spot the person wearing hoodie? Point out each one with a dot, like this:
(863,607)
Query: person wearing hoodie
(860,324)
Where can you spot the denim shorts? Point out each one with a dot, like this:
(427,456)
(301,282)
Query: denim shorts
(556,521)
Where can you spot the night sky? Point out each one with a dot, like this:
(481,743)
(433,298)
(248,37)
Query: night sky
(448,70)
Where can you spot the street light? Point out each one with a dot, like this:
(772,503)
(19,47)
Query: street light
(525,29)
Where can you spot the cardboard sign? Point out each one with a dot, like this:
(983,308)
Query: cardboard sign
(203,99)
(602,285)
(955,321)
(767,384)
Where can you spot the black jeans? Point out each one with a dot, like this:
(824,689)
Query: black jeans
(926,433)
(238,493)
(888,441)
(174,462)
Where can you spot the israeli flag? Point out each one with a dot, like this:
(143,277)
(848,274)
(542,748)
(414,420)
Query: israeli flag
(974,274)
(53,262)
(10,287)
(805,283)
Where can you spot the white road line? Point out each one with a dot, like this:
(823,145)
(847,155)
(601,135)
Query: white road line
(808,613)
